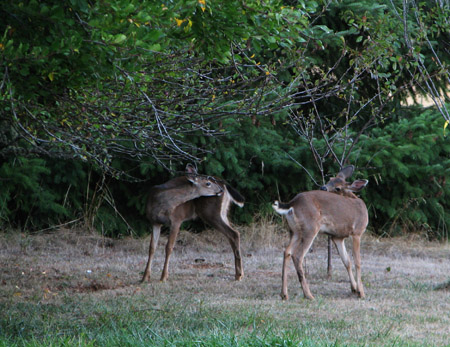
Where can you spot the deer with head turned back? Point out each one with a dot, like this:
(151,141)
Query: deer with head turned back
(340,186)
(338,215)
(184,198)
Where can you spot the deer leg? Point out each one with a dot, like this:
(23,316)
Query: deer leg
(153,243)
(287,256)
(329,267)
(235,246)
(233,237)
(340,246)
(357,257)
(298,257)
(174,229)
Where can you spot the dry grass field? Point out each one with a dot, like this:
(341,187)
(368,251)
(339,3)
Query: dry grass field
(77,288)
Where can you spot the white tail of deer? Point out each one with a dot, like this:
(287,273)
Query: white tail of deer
(338,215)
(185,198)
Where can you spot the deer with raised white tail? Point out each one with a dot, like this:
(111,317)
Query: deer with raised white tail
(338,215)
(184,198)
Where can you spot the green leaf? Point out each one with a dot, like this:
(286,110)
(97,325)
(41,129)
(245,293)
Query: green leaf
(119,39)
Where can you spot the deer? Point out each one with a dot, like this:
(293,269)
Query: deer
(333,210)
(185,198)
(339,185)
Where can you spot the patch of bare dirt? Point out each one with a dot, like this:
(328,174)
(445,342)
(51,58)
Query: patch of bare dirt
(205,265)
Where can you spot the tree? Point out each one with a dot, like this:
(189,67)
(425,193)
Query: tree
(389,52)
(125,79)
(136,80)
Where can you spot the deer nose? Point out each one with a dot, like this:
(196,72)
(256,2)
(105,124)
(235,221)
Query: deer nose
(323,188)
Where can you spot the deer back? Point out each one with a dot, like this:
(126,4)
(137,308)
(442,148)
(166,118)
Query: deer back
(164,199)
(332,213)
(210,209)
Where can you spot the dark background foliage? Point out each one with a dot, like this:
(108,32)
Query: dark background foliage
(99,101)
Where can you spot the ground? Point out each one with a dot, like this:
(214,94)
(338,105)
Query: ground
(61,280)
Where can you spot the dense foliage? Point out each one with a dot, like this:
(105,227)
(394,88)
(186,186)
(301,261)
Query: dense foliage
(408,167)
(98,100)
(406,162)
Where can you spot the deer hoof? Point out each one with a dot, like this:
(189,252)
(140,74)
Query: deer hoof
(361,294)
(284,297)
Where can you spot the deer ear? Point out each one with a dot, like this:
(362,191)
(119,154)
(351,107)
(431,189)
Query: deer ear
(190,169)
(357,185)
(191,173)
(346,172)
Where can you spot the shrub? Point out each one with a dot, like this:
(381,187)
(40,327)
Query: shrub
(408,164)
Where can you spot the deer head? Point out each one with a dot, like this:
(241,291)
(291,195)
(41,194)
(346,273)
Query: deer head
(340,186)
(204,185)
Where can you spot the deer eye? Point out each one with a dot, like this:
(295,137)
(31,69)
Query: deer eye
(208,184)
(338,189)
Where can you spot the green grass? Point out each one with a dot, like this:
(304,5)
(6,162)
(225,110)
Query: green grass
(126,322)
(119,321)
